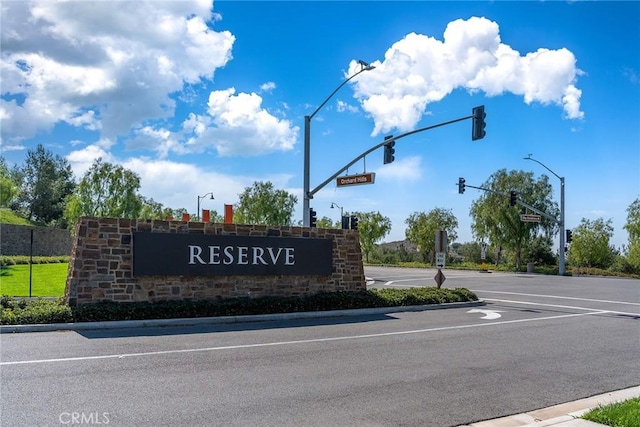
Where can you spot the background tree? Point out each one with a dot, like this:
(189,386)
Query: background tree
(422,227)
(372,226)
(9,188)
(46,181)
(262,204)
(326,222)
(105,190)
(539,251)
(494,218)
(633,228)
(590,246)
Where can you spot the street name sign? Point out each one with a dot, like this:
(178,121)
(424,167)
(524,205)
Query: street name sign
(529,218)
(363,178)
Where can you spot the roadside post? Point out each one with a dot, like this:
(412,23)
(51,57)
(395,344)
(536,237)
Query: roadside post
(441,256)
(483,255)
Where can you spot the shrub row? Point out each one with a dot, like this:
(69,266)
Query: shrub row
(19,259)
(44,311)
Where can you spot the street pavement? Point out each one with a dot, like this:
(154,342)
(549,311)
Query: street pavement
(536,342)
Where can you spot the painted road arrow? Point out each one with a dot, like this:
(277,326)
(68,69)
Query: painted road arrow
(488,314)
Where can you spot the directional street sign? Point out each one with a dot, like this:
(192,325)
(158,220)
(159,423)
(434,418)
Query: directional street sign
(530,218)
(440,259)
(363,178)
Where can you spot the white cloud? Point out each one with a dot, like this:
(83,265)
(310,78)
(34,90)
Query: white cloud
(99,64)
(267,87)
(419,69)
(241,127)
(407,169)
(81,160)
(342,106)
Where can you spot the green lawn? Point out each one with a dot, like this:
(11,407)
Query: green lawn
(48,280)
(622,414)
(7,216)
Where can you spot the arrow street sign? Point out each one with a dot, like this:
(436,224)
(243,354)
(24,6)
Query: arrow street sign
(529,218)
(363,178)
(488,314)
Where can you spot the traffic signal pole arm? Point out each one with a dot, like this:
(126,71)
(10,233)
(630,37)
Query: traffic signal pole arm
(518,201)
(375,147)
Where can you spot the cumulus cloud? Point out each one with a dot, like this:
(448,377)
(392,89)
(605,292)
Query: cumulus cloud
(101,65)
(407,169)
(419,69)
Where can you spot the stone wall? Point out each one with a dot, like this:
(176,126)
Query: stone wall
(16,240)
(101,265)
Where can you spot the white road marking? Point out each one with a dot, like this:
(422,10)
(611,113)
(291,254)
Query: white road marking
(488,314)
(558,297)
(625,313)
(309,341)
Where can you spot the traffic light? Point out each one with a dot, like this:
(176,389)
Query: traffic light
(513,198)
(389,150)
(477,128)
(461,185)
(569,236)
(312,218)
(345,222)
(354,222)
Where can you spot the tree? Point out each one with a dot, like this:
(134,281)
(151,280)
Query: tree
(325,222)
(633,228)
(105,190)
(9,188)
(590,246)
(421,230)
(262,204)
(494,218)
(46,182)
(372,226)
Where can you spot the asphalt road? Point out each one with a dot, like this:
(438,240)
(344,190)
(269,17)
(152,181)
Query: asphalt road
(540,341)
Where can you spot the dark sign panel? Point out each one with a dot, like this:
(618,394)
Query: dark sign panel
(170,254)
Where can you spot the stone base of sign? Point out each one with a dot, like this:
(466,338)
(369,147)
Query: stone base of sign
(101,265)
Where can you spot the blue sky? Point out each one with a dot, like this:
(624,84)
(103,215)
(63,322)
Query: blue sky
(201,97)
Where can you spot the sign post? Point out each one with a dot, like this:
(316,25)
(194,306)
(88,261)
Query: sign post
(483,255)
(441,255)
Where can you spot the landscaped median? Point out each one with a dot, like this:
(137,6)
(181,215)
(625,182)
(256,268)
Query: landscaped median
(41,311)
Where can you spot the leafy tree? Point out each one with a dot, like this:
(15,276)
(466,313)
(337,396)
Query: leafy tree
(9,188)
(633,228)
(590,246)
(326,222)
(539,250)
(105,190)
(46,182)
(372,226)
(262,204)
(422,227)
(494,218)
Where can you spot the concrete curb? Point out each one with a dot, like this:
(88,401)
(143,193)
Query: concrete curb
(563,415)
(83,326)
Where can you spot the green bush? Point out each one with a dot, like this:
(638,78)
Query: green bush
(46,311)
(20,259)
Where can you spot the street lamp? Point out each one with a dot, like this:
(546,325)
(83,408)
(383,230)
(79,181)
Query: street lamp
(202,197)
(561,268)
(307,144)
(333,205)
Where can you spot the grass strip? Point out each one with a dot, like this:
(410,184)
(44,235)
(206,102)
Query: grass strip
(621,414)
(47,280)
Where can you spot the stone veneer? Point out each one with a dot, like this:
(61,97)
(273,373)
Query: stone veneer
(101,265)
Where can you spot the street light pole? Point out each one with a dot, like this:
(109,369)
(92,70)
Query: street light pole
(307,145)
(202,197)
(334,205)
(561,267)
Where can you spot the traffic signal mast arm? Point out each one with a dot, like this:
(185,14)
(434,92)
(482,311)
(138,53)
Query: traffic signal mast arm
(518,201)
(375,147)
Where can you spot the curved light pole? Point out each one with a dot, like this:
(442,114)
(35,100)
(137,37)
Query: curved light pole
(307,144)
(202,197)
(561,267)
(335,205)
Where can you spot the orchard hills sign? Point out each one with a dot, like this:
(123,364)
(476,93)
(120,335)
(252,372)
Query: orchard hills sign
(173,254)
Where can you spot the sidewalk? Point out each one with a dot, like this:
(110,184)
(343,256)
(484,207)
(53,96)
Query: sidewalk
(563,415)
